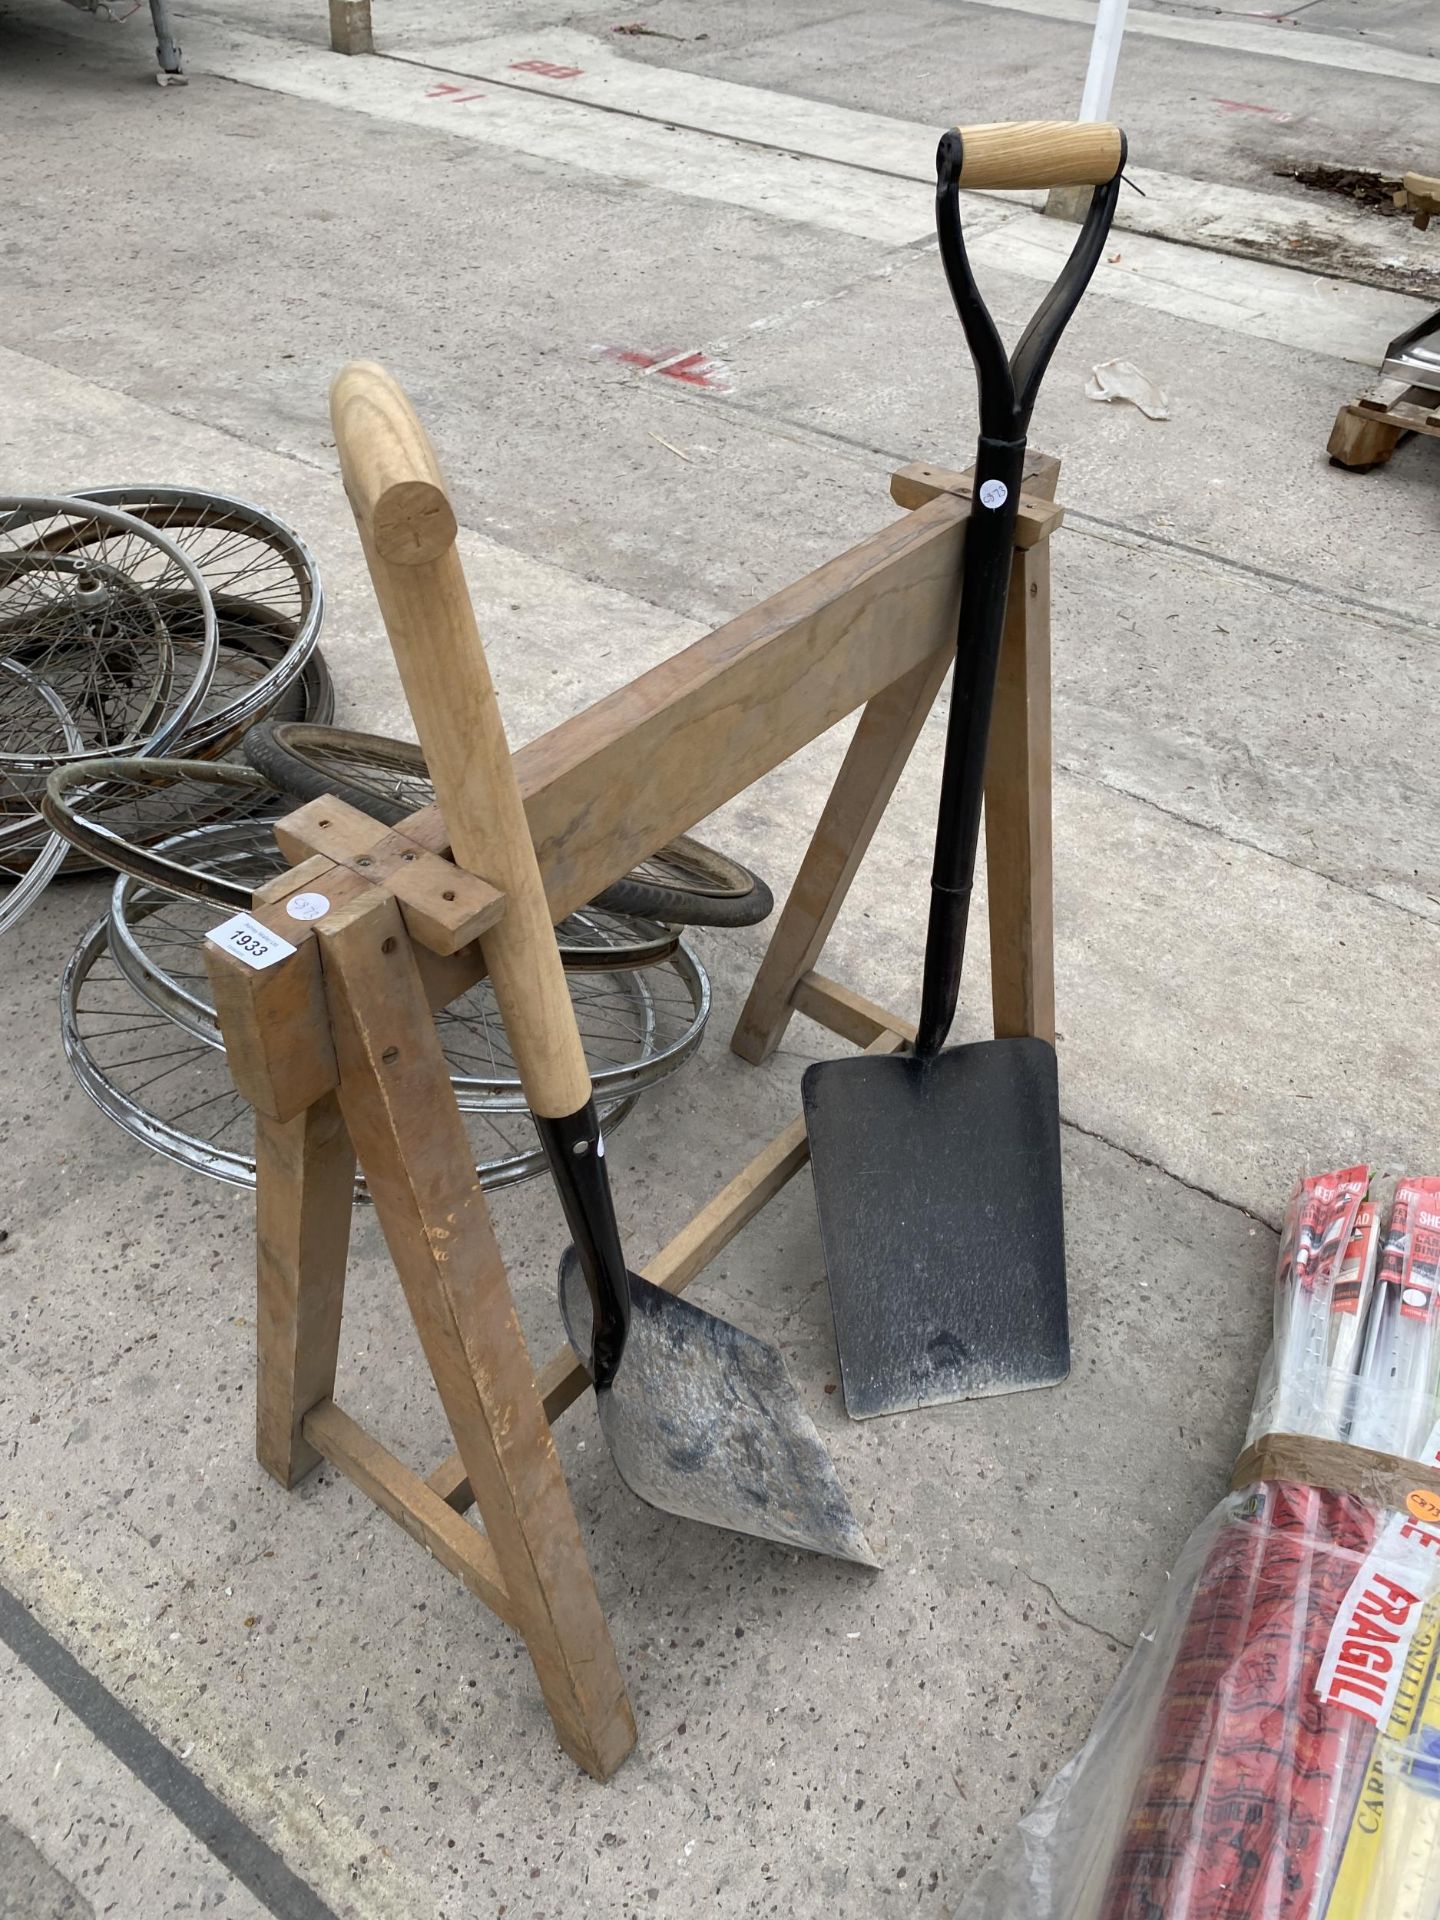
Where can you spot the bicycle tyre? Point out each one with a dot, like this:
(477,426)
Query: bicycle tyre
(685,883)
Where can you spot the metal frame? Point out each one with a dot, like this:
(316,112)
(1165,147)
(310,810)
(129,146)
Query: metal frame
(1408,357)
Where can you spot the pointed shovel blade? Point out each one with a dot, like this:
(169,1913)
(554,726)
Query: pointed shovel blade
(703,1421)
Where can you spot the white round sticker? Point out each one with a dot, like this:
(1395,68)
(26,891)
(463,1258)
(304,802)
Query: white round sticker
(994,493)
(307,906)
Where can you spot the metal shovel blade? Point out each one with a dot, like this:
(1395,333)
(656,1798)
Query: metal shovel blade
(703,1421)
(938,1188)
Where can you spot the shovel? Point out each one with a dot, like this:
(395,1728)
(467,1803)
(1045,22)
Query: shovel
(937,1174)
(702,1419)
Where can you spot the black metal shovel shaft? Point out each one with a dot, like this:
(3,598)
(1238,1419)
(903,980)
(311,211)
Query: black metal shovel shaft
(1007,391)
(984,591)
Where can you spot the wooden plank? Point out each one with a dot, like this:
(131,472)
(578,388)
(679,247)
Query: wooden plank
(920,482)
(310,874)
(1361,440)
(275,1024)
(1415,413)
(874,761)
(609,787)
(444,907)
(397,1100)
(304,1193)
(1382,396)
(1019,862)
(863,1022)
(406,1498)
(350,28)
(604,789)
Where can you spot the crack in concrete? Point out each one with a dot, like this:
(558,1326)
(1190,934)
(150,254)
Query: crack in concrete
(1191,1186)
(1091,525)
(1238,840)
(1112,1640)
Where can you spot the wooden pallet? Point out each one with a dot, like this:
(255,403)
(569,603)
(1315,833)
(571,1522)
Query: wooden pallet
(1368,430)
(1419,196)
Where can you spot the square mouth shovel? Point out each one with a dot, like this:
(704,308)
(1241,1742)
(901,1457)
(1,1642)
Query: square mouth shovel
(937,1174)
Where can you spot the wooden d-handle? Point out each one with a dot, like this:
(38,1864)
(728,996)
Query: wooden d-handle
(1040,153)
(407,528)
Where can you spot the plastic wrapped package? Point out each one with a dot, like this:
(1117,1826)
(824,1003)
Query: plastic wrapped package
(1271,1750)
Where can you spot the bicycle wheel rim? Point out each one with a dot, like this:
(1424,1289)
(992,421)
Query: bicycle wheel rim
(96,784)
(41,869)
(89,1013)
(638,1025)
(181,513)
(41,512)
(311,696)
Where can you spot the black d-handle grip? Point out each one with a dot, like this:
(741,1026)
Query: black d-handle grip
(1008,386)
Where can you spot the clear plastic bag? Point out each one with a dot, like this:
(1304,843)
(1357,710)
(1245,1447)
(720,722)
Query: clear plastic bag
(1271,1749)
(1217,1784)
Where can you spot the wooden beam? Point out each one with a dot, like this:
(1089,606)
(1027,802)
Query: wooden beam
(444,907)
(304,1194)
(1019,856)
(408,1501)
(275,1024)
(862,1022)
(400,1109)
(874,761)
(920,482)
(610,786)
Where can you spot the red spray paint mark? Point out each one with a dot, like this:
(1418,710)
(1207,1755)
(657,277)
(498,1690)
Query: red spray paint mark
(1249,106)
(546,69)
(450,93)
(692,369)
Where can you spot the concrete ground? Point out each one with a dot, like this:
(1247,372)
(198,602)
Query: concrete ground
(220,1698)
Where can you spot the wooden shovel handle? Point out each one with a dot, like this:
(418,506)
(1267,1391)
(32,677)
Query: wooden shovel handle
(1040,153)
(407,528)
